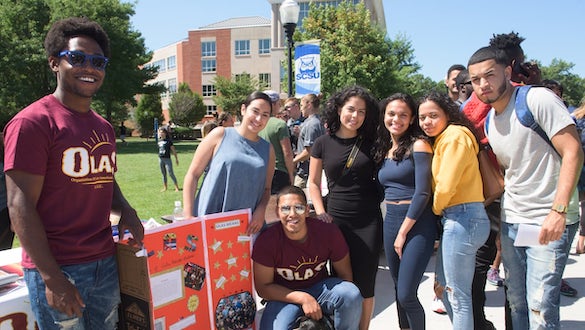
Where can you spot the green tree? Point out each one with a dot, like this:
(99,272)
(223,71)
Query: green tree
(353,51)
(573,85)
(149,108)
(186,107)
(233,92)
(25,72)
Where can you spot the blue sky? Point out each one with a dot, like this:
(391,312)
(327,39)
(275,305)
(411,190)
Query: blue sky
(441,32)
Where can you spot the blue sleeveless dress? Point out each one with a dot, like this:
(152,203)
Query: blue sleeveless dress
(236,175)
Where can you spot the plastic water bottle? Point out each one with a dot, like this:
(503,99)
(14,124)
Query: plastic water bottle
(178,212)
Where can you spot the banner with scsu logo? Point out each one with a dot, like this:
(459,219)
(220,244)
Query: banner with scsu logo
(307,68)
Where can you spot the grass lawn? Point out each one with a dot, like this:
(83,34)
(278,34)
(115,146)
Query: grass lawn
(140,179)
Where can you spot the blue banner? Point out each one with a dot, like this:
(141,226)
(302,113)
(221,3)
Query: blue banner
(307,68)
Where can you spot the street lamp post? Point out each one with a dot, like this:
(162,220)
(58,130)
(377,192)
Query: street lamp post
(289,15)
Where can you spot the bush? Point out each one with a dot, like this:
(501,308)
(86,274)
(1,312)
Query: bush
(183,133)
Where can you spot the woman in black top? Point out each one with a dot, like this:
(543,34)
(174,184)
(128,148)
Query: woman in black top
(353,202)
(165,148)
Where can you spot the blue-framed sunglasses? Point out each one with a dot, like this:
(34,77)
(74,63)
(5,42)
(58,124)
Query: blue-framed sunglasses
(77,59)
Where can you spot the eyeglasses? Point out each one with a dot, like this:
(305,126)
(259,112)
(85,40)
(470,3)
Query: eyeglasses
(298,209)
(77,59)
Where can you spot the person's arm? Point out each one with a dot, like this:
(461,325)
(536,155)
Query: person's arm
(288,158)
(568,145)
(454,157)
(174,152)
(24,190)
(303,155)
(201,159)
(314,184)
(267,289)
(259,215)
(343,268)
(128,217)
(422,191)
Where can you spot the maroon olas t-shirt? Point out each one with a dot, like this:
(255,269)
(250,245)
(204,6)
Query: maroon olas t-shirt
(76,155)
(300,265)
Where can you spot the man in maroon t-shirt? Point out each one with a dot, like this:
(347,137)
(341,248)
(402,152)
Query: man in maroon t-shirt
(60,160)
(290,268)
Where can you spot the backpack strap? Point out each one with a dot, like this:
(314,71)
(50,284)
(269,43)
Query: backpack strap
(486,123)
(525,116)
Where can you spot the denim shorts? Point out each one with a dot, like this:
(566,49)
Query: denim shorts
(97,283)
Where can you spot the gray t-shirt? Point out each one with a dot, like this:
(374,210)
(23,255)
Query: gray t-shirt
(531,165)
(311,129)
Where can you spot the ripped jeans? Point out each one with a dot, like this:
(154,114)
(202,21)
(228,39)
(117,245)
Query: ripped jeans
(98,286)
(533,278)
(466,227)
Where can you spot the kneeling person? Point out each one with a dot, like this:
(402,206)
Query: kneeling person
(290,270)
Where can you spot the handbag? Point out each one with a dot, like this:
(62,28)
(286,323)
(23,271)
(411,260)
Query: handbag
(491,176)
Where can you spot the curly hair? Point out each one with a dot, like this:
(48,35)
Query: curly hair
(61,31)
(451,109)
(339,99)
(509,43)
(405,142)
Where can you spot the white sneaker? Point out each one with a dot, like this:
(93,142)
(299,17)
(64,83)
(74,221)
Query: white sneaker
(438,307)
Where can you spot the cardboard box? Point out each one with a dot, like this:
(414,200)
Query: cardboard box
(196,274)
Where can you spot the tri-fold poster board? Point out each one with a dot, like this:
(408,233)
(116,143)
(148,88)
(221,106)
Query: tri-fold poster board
(193,274)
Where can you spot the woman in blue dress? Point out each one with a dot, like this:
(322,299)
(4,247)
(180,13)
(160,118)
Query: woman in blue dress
(239,165)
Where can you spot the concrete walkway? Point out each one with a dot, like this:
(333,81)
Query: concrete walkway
(385,316)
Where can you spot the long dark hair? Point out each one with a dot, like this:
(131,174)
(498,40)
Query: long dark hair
(405,142)
(451,109)
(338,100)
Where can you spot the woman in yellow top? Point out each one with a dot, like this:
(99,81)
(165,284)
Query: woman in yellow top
(458,198)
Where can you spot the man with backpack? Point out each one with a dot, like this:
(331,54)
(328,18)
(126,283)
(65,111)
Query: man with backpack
(540,180)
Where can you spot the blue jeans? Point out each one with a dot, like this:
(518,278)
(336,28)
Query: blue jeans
(533,278)
(408,271)
(166,165)
(97,283)
(339,298)
(466,227)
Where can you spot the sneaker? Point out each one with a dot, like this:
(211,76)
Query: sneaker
(567,290)
(438,307)
(493,276)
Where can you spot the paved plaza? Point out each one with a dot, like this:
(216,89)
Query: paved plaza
(572,309)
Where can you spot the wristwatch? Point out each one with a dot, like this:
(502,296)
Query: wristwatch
(560,208)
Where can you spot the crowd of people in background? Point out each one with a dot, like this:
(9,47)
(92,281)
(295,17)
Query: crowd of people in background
(320,172)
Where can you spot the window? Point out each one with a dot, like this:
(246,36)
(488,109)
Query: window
(239,77)
(264,81)
(209,90)
(160,64)
(208,65)
(207,48)
(304,9)
(242,47)
(264,46)
(172,86)
(171,62)
(211,110)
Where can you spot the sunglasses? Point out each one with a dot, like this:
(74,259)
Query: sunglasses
(298,209)
(77,59)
